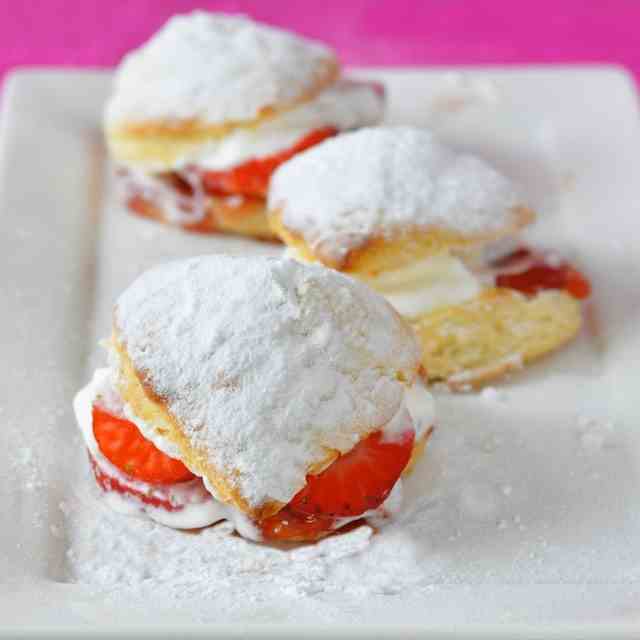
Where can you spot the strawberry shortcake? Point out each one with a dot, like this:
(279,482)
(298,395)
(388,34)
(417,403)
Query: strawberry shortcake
(436,231)
(203,113)
(283,397)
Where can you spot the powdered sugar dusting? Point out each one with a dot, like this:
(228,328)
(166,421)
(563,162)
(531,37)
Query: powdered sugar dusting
(266,362)
(215,68)
(379,181)
(153,564)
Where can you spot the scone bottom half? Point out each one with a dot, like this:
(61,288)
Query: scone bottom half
(477,318)
(146,465)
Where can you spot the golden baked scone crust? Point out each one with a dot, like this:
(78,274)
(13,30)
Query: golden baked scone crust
(148,406)
(477,341)
(393,251)
(247,218)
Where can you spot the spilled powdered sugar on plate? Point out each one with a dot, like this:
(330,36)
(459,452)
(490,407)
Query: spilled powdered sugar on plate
(524,510)
(484,506)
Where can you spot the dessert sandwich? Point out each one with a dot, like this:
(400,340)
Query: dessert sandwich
(283,397)
(203,113)
(437,233)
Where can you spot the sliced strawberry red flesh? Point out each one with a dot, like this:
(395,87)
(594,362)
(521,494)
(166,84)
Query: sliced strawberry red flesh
(121,442)
(252,177)
(539,275)
(248,180)
(356,482)
(290,526)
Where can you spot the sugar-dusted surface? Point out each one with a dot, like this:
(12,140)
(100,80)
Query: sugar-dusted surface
(266,363)
(482,523)
(215,68)
(381,181)
(525,509)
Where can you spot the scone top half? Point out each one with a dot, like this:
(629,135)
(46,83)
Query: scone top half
(209,73)
(437,232)
(259,371)
(214,90)
(383,199)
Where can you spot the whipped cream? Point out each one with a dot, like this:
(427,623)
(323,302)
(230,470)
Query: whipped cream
(398,425)
(481,260)
(176,207)
(422,286)
(421,406)
(417,407)
(427,284)
(193,514)
(343,106)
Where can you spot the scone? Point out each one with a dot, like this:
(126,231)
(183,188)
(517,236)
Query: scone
(203,113)
(436,232)
(280,396)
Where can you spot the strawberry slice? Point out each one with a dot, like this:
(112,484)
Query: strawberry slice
(540,275)
(576,284)
(289,526)
(252,177)
(108,483)
(520,254)
(121,442)
(358,480)
(543,276)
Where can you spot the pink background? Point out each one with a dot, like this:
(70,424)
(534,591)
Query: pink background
(384,32)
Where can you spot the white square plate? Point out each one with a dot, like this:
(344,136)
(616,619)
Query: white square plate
(526,508)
